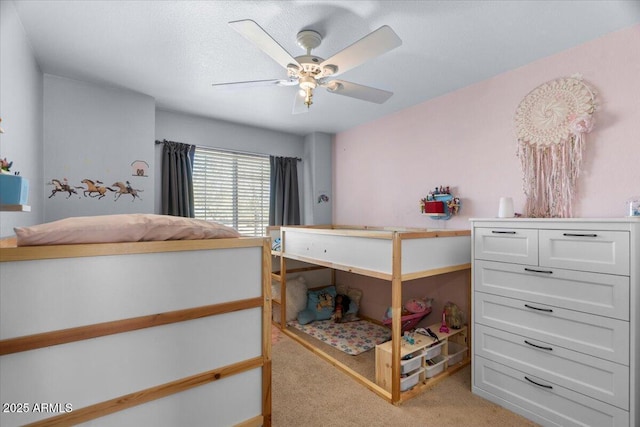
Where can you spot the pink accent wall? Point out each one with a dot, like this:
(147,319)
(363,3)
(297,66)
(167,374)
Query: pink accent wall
(466,139)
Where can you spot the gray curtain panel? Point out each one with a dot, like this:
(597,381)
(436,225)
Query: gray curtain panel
(284,203)
(177,179)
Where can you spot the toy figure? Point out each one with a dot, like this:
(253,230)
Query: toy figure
(5,165)
(443,326)
(341,307)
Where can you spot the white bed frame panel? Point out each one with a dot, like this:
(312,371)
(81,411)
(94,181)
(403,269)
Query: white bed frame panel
(370,251)
(343,252)
(422,255)
(49,295)
(120,286)
(209,405)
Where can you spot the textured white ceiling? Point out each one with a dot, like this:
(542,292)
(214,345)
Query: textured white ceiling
(174,50)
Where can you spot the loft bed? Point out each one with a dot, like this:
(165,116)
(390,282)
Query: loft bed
(163,333)
(396,255)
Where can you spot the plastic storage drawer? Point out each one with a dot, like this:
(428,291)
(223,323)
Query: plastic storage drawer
(456,352)
(436,365)
(411,380)
(433,351)
(412,364)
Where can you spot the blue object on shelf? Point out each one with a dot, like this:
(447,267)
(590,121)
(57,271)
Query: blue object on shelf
(14,190)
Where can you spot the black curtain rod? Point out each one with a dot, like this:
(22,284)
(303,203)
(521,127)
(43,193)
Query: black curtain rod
(221,149)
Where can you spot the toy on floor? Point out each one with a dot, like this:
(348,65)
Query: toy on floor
(340,308)
(413,312)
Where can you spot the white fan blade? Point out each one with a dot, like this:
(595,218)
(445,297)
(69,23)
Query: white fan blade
(254,33)
(354,90)
(255,83)
(376,43)
(298,103)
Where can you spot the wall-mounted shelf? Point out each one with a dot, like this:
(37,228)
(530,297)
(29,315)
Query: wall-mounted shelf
(449,210)
(15,208)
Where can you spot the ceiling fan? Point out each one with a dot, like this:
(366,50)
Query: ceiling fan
(309,71)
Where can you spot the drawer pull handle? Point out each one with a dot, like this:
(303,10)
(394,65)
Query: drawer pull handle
(538,346)
(538,271)
(579,235)
(502,232)
(538,384)
(548,310)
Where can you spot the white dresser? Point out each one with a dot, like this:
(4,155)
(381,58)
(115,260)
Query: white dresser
(556,320)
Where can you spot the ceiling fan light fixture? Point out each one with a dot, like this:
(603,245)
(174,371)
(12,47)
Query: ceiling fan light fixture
(307,82)
(308,40)
(293,70)
(334,86)
(308,97)
(329,70)
(309,71)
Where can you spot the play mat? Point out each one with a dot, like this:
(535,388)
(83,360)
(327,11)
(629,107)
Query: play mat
(352,337)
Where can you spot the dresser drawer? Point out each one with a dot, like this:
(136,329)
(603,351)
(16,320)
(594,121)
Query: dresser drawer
(507,245)
(552,404)
(591,250)
(595,335)
(595,293)
(598,378)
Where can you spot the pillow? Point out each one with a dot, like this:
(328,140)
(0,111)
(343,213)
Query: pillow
(296,297)
(306,316)
(121,228)
(321,302)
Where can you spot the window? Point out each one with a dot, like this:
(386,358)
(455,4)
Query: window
(232,189)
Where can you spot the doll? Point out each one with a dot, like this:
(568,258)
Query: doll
(341,307)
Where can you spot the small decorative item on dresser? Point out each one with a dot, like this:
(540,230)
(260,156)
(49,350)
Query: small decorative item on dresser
(634,206)
(505,209)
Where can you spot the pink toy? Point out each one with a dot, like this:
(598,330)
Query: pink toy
(408,320)
(443,327)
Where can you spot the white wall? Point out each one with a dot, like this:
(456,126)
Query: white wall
(60,128)
(96,132)
(21,112)
(318,173)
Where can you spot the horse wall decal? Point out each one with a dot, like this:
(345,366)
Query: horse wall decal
(93,187)
(62,186)
(126,189)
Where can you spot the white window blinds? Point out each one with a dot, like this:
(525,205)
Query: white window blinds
(232,189)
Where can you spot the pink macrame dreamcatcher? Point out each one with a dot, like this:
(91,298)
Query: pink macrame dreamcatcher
(551,124)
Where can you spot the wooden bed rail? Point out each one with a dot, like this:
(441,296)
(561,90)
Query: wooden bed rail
(30,253)
(377,232)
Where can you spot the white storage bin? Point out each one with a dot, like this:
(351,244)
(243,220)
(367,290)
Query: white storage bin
(435,366)
(456,352)
(410,381)
(414,363)
(433,351)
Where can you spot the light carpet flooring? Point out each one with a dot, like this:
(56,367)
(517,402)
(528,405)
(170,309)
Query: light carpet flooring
(308,391)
